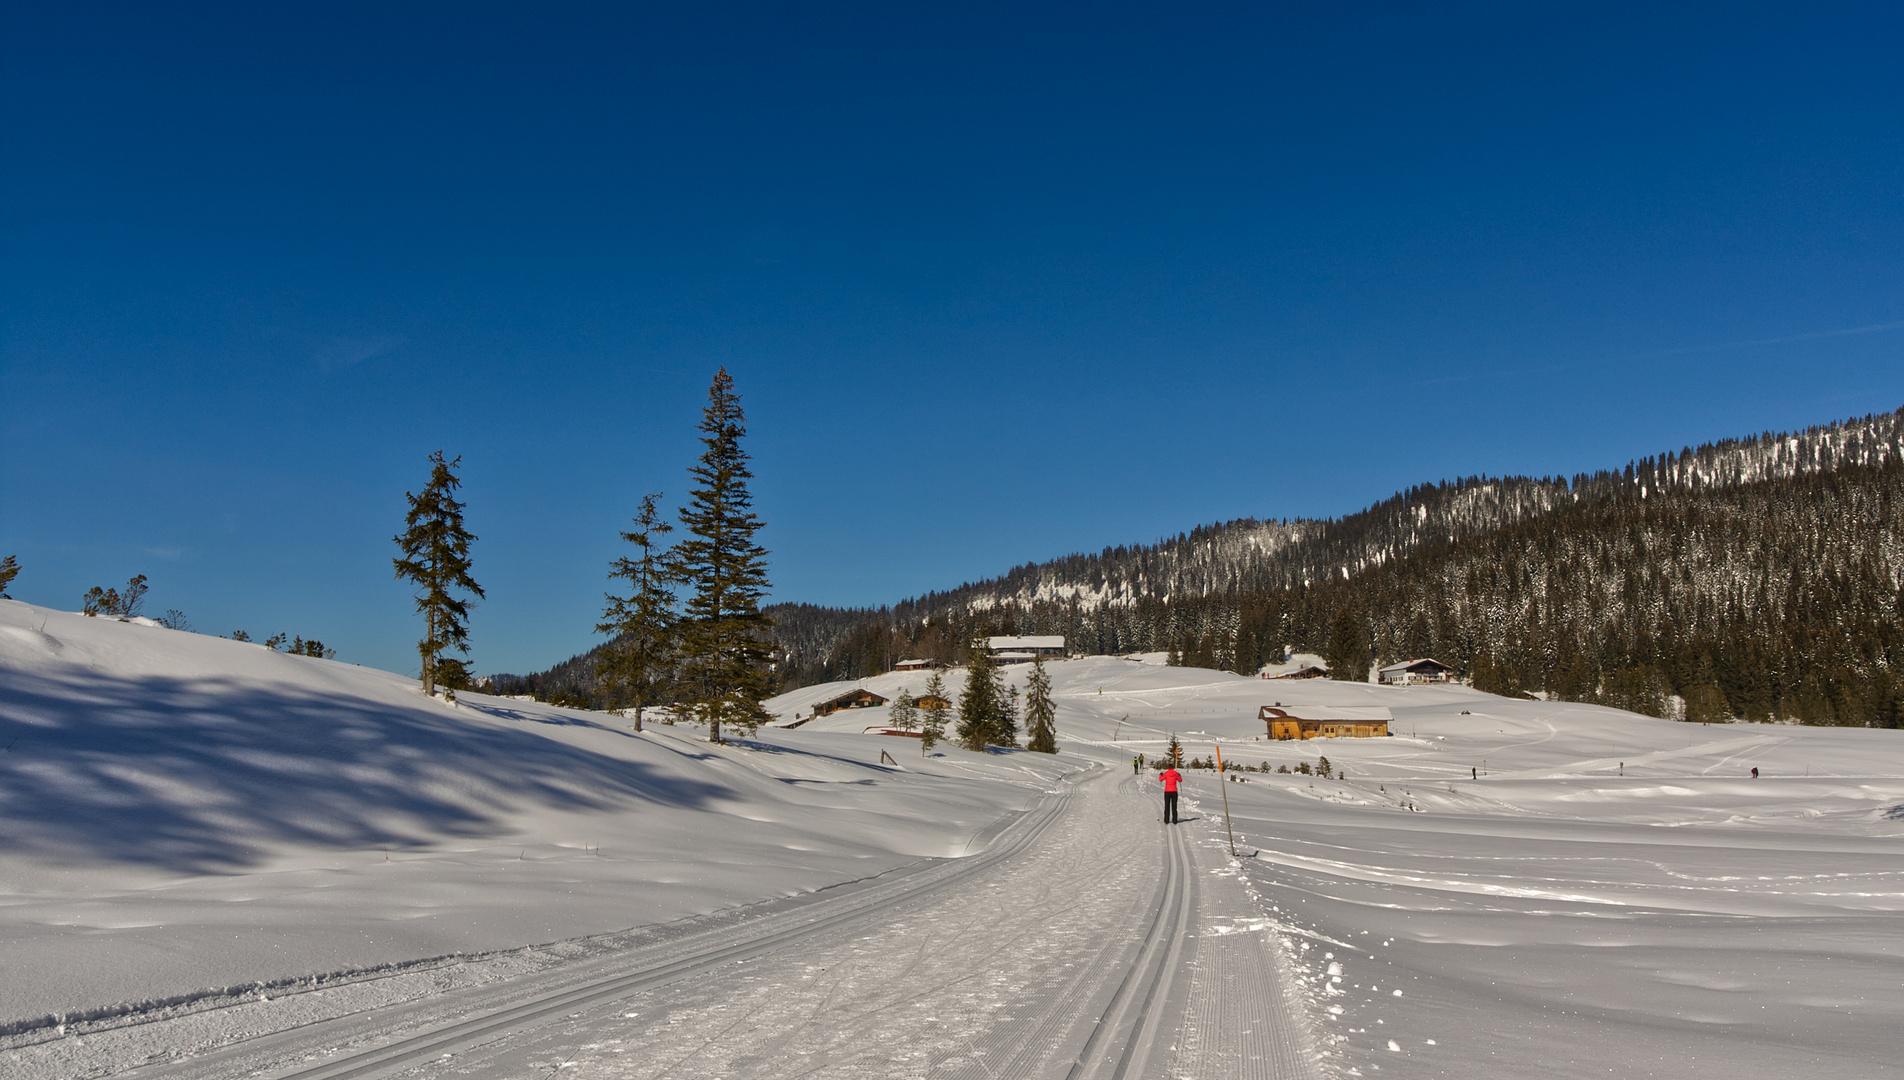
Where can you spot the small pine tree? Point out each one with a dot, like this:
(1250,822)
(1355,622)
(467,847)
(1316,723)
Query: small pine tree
(903,715)
(435,559)
(1040,713)
(636,664)
(980,707)
(1173,753)
(1323,767)
(933,718)
(724,655)
(1005,729)
(9,569)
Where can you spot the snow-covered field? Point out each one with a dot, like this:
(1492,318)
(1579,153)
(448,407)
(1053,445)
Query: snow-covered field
(1501,889)
(1613,895)
(181,812)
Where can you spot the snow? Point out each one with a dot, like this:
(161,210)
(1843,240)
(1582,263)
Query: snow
(185,812)
(1500,889)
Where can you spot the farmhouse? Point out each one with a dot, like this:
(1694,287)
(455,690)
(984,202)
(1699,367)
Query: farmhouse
(1023,650)
(931,701)
(1415,673)
(1310,672)
(1323,722)
(915,665)
(856,698)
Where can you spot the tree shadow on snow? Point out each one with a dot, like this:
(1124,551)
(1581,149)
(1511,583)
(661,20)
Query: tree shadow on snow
(209,775)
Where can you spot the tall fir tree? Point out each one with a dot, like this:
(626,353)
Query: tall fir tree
(1040,713)
(638,662)
(981,706)
(724,654)
(9,569)
(932,715)
(1348,653)
(435,559)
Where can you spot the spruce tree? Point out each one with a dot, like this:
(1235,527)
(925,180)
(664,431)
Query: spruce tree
(932,718)
(724,656)
(1040,713)
(636,663)
(9,569)
(1348,648)
(435,559)
(980,708)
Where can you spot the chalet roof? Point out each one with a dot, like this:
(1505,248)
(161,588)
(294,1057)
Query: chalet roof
(1363,713)
(858,693)
(1422,663)
(1041,641)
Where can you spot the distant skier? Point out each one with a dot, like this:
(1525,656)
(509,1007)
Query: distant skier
(1137,765)
(1755,772)
(1171,779)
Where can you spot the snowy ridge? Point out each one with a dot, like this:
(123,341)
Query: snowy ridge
(1250,555)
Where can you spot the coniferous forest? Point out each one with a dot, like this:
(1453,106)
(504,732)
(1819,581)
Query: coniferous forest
(1758,578)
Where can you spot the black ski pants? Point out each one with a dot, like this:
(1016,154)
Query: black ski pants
(1170,807)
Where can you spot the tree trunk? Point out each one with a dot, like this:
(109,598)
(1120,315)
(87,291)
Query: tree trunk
(429,656)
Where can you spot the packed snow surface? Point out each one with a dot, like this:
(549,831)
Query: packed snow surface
(1510,888)
(184,812)
(1499,889)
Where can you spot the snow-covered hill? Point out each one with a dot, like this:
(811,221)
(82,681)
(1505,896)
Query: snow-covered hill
(1511,888)
(180,812)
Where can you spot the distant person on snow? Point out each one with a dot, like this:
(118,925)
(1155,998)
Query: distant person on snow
(1137,765)
(1755,772)
(1171,779)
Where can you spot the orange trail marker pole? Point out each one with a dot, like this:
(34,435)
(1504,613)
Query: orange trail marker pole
(1225,785)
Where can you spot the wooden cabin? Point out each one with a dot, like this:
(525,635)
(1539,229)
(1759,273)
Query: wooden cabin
(1415,673)
(1311,672)
(856,698)
(1317,722)
(916,665)
(928,701)
(1024,649)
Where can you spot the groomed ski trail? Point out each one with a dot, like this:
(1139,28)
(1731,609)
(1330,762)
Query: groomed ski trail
(1071,948)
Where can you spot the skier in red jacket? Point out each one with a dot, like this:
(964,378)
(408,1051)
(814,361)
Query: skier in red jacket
(1171,779)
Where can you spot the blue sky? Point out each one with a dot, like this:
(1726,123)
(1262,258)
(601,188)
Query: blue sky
(997,283)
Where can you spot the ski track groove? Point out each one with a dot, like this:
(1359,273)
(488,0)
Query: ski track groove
(1070,948)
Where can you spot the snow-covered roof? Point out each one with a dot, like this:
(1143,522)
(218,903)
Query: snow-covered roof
(1044,641)
(1409,665)
(1363,713)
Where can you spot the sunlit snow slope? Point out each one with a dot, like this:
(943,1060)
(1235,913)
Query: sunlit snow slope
(1518,888)
(180,812)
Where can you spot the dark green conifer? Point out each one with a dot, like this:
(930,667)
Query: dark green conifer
(981,706)
(1040,713)
(1348,653)
(932,717)
(636,665)
(724,654)
(9,569)
(436,560)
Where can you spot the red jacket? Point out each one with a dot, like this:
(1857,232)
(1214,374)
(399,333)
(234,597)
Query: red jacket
(1171,779)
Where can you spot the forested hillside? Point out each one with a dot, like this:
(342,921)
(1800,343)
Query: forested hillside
(1759,577)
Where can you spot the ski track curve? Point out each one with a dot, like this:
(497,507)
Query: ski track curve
(1088,942)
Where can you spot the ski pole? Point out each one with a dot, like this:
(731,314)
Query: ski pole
(1226,800)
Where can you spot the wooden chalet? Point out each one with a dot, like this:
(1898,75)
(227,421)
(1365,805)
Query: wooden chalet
(1024,649)
(929,701)
(916,665)
(1311,672)
(856,698)
(1316,722)
(1415,673)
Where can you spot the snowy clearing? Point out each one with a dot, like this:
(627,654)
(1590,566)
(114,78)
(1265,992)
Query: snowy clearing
(1501,889)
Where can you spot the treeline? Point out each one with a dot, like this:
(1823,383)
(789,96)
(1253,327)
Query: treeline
(1756,578)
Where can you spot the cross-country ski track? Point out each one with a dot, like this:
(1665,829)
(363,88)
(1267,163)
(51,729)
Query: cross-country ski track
(1068,948)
